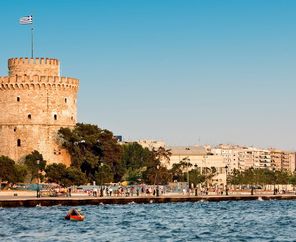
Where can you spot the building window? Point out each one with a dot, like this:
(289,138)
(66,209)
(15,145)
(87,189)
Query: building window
(66,100)
(29,116)
(18,99)
(55,117)
(14,129)
(72,118)
(19,143)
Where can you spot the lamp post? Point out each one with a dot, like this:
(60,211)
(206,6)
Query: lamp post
(195,189)
(101,188)
(187,159)
(274,179)
(38,189)
(226,186)
(252,180)
(188,180)
(157,185)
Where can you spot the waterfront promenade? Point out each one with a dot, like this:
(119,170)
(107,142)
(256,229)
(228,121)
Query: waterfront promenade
(29,199)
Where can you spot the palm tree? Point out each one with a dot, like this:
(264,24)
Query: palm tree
(162,155)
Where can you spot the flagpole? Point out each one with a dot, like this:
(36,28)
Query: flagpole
(29,20)
(32,42)
(32,38)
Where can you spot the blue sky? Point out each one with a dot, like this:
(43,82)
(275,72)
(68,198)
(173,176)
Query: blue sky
(186,72)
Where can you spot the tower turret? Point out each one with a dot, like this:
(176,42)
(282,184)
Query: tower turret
(30,67)
(35,103)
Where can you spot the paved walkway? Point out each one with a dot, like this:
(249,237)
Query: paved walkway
(28,199)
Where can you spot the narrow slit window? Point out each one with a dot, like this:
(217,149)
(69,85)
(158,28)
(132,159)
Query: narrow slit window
(66,100)
(29,116)
(18,99)
(18,143)
(55,117)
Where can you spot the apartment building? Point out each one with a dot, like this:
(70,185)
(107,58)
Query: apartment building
(283,160)
(230,156)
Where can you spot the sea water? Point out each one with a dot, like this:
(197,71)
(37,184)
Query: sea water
(199,221)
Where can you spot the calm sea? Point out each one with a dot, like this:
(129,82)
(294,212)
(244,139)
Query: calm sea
(200,221)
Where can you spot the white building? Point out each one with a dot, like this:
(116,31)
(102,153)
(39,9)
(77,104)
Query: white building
(201,160)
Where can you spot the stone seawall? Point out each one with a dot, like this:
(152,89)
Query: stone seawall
(32,202)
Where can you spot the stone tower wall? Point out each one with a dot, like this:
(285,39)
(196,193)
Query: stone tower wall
(35,103)
(29,67)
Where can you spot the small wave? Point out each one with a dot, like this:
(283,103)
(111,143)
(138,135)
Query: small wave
(260,199)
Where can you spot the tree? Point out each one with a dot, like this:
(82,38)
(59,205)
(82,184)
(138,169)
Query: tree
(235,177)
(209,174)
(21,172)
(35,164)
(111,153)
(7,169)
(292,179)
(164,176)
(89,147)
(134,175)
(162,155)
(135,161)
(73,176)
(56,172)
(177,172)
(104,174)
(282,177)
(253,177)
(195,177)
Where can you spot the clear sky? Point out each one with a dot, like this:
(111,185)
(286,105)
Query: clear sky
(185,72)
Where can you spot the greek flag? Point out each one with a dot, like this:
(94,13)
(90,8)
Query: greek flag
(26,20)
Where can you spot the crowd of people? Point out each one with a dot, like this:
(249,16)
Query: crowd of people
(127,191)
(119,190)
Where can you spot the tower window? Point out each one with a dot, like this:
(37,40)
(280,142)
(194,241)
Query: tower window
(18,99)
(66,100)
(55,117)
(14,129)
(19,143)
(29,116)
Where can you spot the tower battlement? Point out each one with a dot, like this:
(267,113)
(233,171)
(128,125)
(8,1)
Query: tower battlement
(26,60)
(40,82)
(33,66)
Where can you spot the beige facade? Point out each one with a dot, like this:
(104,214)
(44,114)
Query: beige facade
(200,159)
(232,156)
(292,159)
(283,160)
(35,103)
(246,160)
(262,159)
